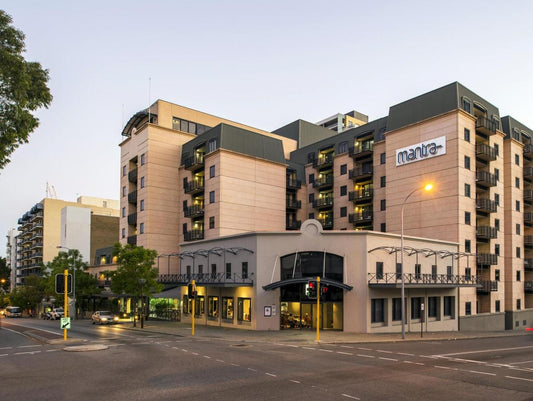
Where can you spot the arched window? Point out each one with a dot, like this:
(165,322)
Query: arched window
(311,264)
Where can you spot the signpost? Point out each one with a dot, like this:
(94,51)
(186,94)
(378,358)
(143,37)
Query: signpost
(317,309)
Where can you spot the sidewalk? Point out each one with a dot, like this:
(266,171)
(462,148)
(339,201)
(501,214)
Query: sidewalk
(304,336)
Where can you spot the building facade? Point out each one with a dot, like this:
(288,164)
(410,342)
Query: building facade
(188,176)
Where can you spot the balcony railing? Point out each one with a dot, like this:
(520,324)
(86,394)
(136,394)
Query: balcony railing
(361,195)
(528,264)
(528,218)
(528,196)
(361,149)
(194,211)
(361,217)
(203,279)
(486,232)
(327,223)
(132,197)
(194,162)
(486,126)
(528,241)
(528,286)
(323,160)
(132,176)
(487,259)
(293,204)
(293,225)
(132,219)
(486,179)
(487,286)
(195,186)
(410,279)
(486,152)
(528,151)
(528,173)
(293,184)
(362,172)
(323,182)
(132,240)
(323,203)
(485,205)
(194,235)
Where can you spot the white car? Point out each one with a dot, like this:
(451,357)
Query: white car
(104,317)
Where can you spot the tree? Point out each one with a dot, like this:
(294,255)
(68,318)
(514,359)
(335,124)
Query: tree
(5,274)
(23,89)
(29,295)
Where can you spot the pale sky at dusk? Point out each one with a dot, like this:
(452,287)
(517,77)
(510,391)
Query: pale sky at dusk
(263,64)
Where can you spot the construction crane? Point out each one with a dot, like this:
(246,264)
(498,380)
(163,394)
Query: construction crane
(50,191)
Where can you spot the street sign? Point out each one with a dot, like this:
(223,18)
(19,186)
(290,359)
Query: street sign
(60,284)
(65,323)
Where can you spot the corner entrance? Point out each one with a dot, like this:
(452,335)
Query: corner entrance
(302,315)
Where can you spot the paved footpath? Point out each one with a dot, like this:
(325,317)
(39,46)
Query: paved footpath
(305,335)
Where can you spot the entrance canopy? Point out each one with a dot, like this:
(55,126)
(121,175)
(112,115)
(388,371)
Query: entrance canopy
(303,280)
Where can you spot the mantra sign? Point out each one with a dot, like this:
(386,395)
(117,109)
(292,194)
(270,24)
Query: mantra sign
(421,151)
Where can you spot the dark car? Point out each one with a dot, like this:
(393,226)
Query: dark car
(104,317)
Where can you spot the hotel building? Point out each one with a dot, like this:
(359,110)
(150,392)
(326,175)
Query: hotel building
(191,182)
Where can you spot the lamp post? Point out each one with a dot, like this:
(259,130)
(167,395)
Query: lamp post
(427,187)
(73,282)
(142,281)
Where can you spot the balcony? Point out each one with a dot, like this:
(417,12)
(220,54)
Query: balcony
(132,219)
(394,280)
(528,151)
(528,241)
(324,160)
(486,126)
(132,176)
(528,219)
(487,259)
(485,179)
(132,240)
(361,195)
(486,232)
(194,211)
(293,184)
(528,287)
(194,235)
(528,264)
(323,203)
(323,182)
(362,173)
(361,217)
(487,286)
(528,196)
(194,187)
(361,150)
(293,225)
(208,279)
(292,204)
(132,197)
(528,173)
(486,152)
(194,162)
(485,205)
(327,223)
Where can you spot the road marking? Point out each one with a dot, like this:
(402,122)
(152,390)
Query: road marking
(487,350)
(292,346)
(365,356)
(429,356)
(220,360)
(29,352)
(29,346)
(234,364)
(141,343)
(253,370)
(52,350)
(115,345)
(518,363)
(386,352)
(270,374)
(344,353)
(325,350)
(366,349)
(482,373)
(194,353)
(405,353)
(519,378)
(414,363)
(345,346)
(208,357)
(4,354)
(444,367)
(350,396)
(388,359)
(309,348)
(295,381)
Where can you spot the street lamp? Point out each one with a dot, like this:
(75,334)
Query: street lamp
(427,187)
(73,283)
(142,281)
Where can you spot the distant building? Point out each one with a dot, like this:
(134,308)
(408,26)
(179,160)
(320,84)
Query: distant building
(11,255)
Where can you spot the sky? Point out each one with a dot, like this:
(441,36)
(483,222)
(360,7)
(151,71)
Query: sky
(264,64)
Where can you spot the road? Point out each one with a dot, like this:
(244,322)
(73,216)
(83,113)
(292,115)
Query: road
(147,366)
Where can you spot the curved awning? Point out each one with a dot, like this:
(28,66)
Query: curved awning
(303,280)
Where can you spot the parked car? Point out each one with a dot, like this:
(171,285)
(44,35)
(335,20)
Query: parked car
(57,313)
(104,317)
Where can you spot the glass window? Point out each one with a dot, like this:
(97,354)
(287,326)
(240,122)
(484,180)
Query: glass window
(212,171)
(212,309)
(497,249)
(228,270)
(123,170)
(497,199)
(244,270)
(383,181)
(142,205)
(518,275)
(497,224)
(418,271)
(467,135)
(184,126)
(467,190)
(518,252)
(449,306)
(496,149)
(199,308)
(433,307)
(468,245)
(245,309)
(434,271)
(517,206)
(497,305)
(123,233)
(311,198)
(517,159)
(192,128)
(383,204)
(416,307)
(379,270)
(343,147)
(211,222)
(212,197)
(398,271)
(344,169)
(143,159)
(123,212)
(382,158)
(497,174)
(344,190)
(343,212)
(377,310)
(123,191)
(468,308)
(213,270)
(212,145)
(467,218)
(468,272)
(383,227)
(497,274)
(141,228)
(311,178)
(396,309)
(227,308)
(467,162)
(517,182)
(518,229)
(518,304)
(142,182)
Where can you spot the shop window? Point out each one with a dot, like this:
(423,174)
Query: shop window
(212,309)
(227,308)
(416,307)
(199,307)
(396,309)
(433,307)
(377,310)
(244,309)
(449,306)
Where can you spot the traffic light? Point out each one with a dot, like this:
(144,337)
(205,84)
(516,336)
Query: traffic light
(60,283)
(323,290)
(312,289)
(191,291)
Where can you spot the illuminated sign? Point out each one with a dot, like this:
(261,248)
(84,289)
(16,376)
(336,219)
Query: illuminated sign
(421,151)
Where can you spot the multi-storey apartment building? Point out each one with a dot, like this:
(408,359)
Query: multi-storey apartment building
(86,225)
(11,255)
(189,176)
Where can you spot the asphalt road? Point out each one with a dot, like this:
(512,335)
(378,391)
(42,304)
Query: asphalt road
(147,366)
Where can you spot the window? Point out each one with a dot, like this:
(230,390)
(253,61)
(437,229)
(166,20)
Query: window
(123,191)
(378,310)
(418,271)
(343,147)
(228,270)
(434,271)
(212,197)
(398,271)
(383,227)
(467,218)
(184,227)
(449,271)
(518,278)
(123,212)
(211,222)
(212,308)
(449,306)
(344,169)
(142,182)
(212,171)
(123,170)
(517,159)
(497,305)
(200,270)
(497,274)
(396,309)
(517,182)
(497,174)
(497,224)
(517,205)
(497,199)
(244,270)
(142,205)
(518,229)
(123,233)
(416,307)
(518,252)
(467,190)
(213,270)
(466,105)
(468,308)
(212,145)
(244,310)
(468,245)
(344,212)
(383,204)
(143,159)
(141,228)
(468,272)
(382,158)
(467,135)
(311,198)
(383,181)
(433,307)
(227,308)
(311,178)
(497,249)
(344,190)
(496,149)
(467,162)
(518,304)
(379,270)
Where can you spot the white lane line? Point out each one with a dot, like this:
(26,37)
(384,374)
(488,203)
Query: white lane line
(208,357)
(405,353)
(350,396)
(295,381)
(366,349)
(195,353)
(486,350)
(270,374)
(220,360)
(184,350)
(253,370)
(518,363)
(482,373)
(6,347)
(52,350)
(25,353)
(115,345)
(29,346)
(365,356)
(388,359)
(309,348)
(428,356)
(414,363)
(4,354)
(234,364)
(344,353)
(346,346)
(325,350)
(519,378)
(386,352)
(293,346)
(444,367)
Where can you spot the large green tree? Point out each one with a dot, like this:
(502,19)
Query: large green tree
(23,90)
(5,274)
(30,295)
